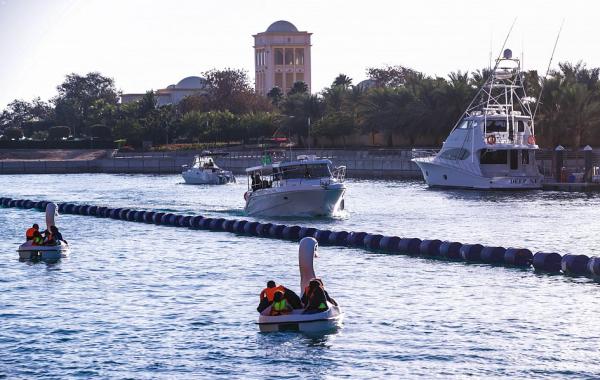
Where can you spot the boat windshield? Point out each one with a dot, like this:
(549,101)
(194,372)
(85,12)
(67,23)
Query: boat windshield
(302,172)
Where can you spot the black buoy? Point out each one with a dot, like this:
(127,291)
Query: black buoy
(228,225)
(139,216)
(471,252)
(355,239)
(276,231)
(114,213)
(250,228)
(518,257)
(493,255)
(450,250)
(149,217)
(291,232)
(101,213)
(263,229)
(92,211)
(238,226)
(216,224)
(322,236)
(185,221)
(575,265)
(547,261)
(389,244)
(593,266)
(306,232)
(123,213)
(371,241)
(430,247)
(410,246)
(338,238)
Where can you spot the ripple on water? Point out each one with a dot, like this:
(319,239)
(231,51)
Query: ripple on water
(144,301)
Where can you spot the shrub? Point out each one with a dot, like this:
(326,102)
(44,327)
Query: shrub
(13,133)
(58,133)
(101,131)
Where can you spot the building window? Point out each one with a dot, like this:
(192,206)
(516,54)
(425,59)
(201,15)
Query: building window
(299,77)
(299,56)
(279,80)
(289,56)
(279,56)
(289,81)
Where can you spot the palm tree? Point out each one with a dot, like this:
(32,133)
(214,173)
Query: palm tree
(342,80)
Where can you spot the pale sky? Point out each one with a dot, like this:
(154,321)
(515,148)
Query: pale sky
(145,44)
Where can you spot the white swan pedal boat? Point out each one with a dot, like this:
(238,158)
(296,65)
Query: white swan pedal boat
(319,322)
(50,253)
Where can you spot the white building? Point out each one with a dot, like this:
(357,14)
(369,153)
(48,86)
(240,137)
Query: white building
(174,93)
(282,57)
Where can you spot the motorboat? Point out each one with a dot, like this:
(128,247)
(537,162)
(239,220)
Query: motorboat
(297,320)
(204,171)
(50,253)
(493,144)
(305,187)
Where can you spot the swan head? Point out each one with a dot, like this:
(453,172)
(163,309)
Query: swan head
(309,246)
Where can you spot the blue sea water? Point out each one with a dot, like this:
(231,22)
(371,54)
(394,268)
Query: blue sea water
(143,301)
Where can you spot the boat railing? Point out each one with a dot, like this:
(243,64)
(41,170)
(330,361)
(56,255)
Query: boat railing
(424,154)
(339,173)
(505,138)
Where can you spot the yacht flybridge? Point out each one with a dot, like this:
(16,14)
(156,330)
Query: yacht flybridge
(307,186)
(493,145)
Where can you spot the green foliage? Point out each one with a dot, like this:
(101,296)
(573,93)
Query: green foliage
(58,132)
(276,95)
(101,132)
(298,88)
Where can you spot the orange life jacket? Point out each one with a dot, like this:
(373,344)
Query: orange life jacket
(30,232)
(270,292)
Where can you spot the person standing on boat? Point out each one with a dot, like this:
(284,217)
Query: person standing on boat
(30,233)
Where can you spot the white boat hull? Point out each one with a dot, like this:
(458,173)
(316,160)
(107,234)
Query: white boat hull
(49,253)
(297,201)
(321,322)
(203,177)
(437,175)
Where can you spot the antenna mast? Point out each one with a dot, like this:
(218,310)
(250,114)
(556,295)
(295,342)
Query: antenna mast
(548,70)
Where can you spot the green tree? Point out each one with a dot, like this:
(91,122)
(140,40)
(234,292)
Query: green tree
(342,80)
(76,103)
(335,125)
(13,133)
(276,95)
(298,88)
(58,133)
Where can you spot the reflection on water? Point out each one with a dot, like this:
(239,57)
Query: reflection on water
(143,301)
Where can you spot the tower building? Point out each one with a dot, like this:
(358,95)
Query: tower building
(282,57)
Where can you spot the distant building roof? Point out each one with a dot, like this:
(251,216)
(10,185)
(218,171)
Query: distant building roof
(191,83)
(281,26)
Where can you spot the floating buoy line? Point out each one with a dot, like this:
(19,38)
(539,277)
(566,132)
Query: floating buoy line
(550,262)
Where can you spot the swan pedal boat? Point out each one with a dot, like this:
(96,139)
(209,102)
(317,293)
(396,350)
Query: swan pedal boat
(28,251)
(50,253)
(297,320)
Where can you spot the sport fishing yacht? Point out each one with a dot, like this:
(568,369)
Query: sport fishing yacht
(493,144)
(307,186)
(204,171)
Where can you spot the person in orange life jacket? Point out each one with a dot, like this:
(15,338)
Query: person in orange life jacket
(268,293)
(31,231)
(316,301)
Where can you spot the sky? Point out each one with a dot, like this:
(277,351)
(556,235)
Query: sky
(146,44)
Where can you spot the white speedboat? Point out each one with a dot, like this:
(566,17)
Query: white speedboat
(204,171)
(493,144)
(29,251)
(320,322)
(307,186)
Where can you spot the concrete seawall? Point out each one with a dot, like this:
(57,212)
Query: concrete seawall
(375,163)
(389,164)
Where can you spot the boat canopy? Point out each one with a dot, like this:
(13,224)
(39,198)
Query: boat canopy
(269,168)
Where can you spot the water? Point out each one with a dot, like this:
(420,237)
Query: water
(143,301)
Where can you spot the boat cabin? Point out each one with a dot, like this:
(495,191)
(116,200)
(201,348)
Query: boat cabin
(301,171)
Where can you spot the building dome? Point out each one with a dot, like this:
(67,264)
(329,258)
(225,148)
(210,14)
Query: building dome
(191,83)
(281,26)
